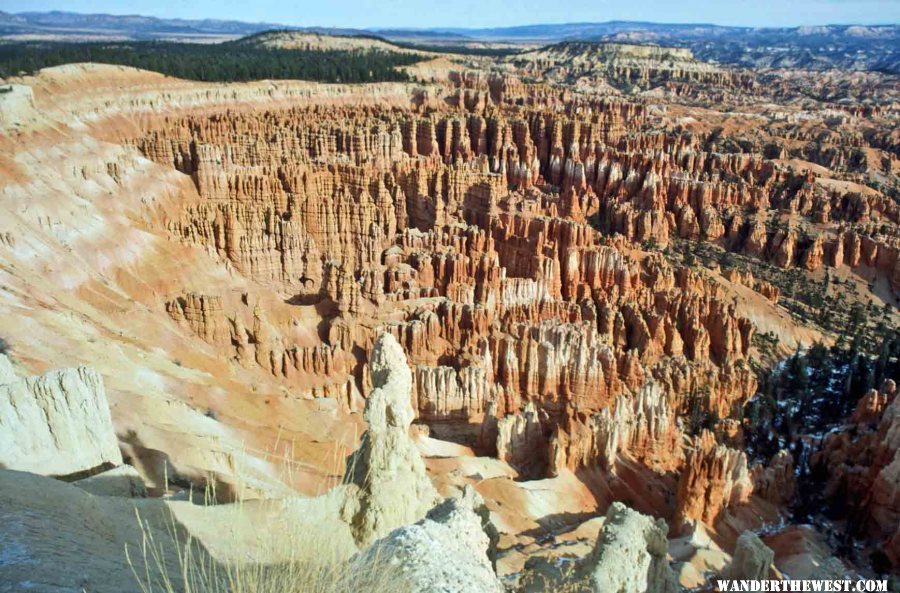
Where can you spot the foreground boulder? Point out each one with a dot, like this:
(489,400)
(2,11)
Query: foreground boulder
(394,487)
(695,554)
(55,424)
(630,556)
(447,552)
(752,558)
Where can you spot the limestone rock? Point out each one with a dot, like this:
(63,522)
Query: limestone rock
(751,559)
(640,426)
(777,481)
(449,551)
(7,372)
(695,554)
(57,537)
(630,555)
(394,488)
(862,463)
(57,423)
(522,443)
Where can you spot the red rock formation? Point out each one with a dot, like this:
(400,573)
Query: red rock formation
(641,428)
(510,305)
(714,478)
(777,481)
(861,464)
(502,236)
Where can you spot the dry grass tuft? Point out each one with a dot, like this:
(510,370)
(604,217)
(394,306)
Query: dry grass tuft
(179,563)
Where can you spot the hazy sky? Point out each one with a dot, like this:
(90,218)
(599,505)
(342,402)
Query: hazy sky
(489,13)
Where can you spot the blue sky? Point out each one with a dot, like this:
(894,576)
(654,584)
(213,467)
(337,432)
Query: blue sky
(489,13)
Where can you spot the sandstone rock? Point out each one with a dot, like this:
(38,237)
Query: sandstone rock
(56,424)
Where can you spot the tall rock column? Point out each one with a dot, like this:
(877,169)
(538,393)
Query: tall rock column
(394,488)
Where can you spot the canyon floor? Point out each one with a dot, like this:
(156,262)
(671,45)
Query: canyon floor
(552,290)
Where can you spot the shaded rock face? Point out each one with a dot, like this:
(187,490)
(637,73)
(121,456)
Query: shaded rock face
(884,504)
(449,551)
(55,424)
(714,478)
(58,537)
(861,463)
(123,481)
(522,442)
(394,488)
(777,481)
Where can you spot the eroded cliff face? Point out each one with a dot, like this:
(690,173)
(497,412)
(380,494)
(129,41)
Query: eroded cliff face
(715,477)
(501,236)
(433,226)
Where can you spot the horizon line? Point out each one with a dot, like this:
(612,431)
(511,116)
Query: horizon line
(454,28)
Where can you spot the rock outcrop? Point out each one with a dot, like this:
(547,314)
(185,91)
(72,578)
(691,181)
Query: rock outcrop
(630,556)
(751,560)
(861,463)
(55,424)
(393,486)
(715,477)
(450,551)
